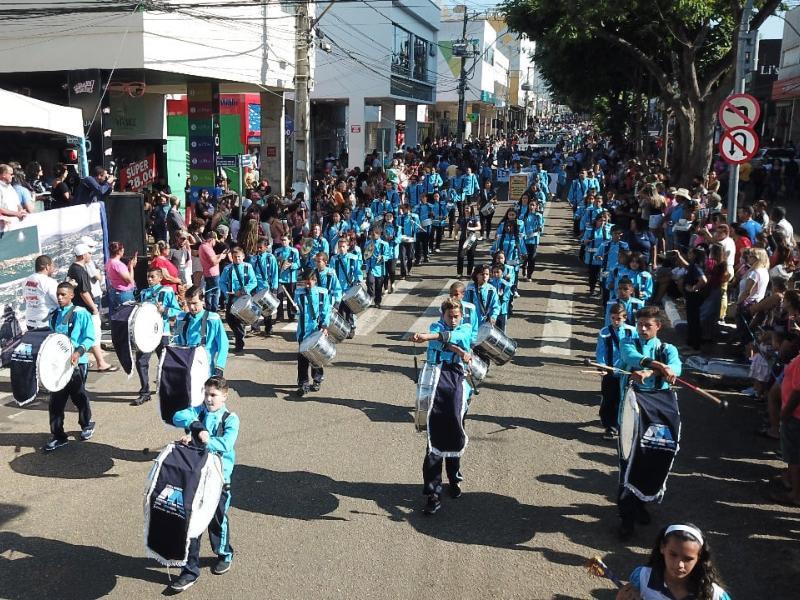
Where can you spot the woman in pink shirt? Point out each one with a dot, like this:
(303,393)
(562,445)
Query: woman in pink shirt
(120,276)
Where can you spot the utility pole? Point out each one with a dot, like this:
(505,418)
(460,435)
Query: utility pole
(462,84)
(302,101)
(738,88)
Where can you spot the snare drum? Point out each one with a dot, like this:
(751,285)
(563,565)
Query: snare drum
(478,369)
(145,327)
(53,363)
(357,299)
(495,344)
(426,389)
(319,349)
(245,309)
(182,374)
(407,239)
(426,223)
(470,242)
(338,327)
(268,302)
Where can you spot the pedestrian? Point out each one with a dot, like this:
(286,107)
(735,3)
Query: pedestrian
(120,277)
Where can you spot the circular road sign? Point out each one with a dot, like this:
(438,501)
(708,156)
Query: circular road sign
(739,145)
(739,110)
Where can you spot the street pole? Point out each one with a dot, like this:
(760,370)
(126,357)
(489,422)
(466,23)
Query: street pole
(462,85)
(738,88)
(302,101)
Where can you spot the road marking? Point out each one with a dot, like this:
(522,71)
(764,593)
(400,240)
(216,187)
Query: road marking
(673,314)
(557,332)
(16,414)
(431,311)
(372,317)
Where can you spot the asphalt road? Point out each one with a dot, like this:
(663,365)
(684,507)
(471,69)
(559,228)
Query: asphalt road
(327,489)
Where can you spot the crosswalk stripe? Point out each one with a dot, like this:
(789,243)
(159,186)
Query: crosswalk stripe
(431,311)
(557,333)
(372,317)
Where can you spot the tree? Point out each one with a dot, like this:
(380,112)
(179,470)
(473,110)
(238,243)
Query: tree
(687,48)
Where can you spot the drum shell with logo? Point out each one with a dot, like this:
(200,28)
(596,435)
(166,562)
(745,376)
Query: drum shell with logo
(268,302)
(53,362)
(495,344)
(470,242)
(357,299)
(426,389)
(319,349)
(145,327)
(338,327)
(245,309)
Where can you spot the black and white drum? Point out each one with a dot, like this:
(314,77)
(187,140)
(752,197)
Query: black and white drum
(24,380)
(495,344)
(628,424)
(145,327)
(488,209)
(478,369)
(338,327)
(319,349)
(426,223)
(268,302)
(426,388)
(357,299)
(245,309)
(182,374)
(53,363)
(470,242)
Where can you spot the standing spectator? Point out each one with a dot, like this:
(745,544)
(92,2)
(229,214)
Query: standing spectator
(121,284)
(210,260)
(20,184)
(60,194)
(158,218)
(94,188)
(175,220)
(746,222)
(79,277)
(40,294)
(169,273)
(180,255)
(779,223)
(10,206)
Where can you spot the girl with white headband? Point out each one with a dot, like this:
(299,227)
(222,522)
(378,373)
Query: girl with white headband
(679,568)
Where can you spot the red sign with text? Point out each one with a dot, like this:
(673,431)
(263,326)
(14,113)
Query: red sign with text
(138,175)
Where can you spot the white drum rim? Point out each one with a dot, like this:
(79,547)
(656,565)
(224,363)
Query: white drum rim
(627,425)
(158,319)
(50,340)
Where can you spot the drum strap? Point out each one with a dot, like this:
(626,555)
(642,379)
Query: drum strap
(234,269)
(203,328)
(67,317)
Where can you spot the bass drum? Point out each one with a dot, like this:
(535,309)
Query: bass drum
(53,363)
(426,388)
(182,374)
(145,327)
(628,423)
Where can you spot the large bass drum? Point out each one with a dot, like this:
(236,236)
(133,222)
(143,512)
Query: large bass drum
(357,299)
(495,344)
(628,423)
(319,349)
(24,381)
(426,388)
(53,363)
(182,374)
(338,327)
(145,327)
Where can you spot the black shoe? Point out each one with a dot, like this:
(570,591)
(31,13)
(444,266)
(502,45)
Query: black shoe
(377,306)
(184,582)
(610,433)
(54,444)
(352,334)
(643,516)
(302,391)
(455,490)
(87,432)
(625,531)
(141,399)
(433,504)
(238,350)
(315,386)
(222,566)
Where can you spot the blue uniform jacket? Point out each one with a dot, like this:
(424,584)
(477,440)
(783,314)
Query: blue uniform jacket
(314,312)
(408,224)
(83,333)
(485,301)
(592,240)
(347,268)
(609,251)
(376,264)
(503,287)
(288,264)
(633,351)
(159,294)
(632,306)
(320,245)
(238,277)
(327,278)
(471,318)
(188,332)
(577,191)
(461,336)
(265,266)
(533,225)
(221,440)
(424,211)
(391,235)
(336,231)
(513,246)
(608,343)
(432,182)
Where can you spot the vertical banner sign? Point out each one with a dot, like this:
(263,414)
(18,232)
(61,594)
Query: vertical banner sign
(517,185)
(201,137)
(85,88)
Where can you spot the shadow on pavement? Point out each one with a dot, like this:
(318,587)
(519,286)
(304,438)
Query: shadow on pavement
(32,568)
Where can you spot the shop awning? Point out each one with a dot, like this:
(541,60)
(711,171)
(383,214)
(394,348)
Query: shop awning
(21,112)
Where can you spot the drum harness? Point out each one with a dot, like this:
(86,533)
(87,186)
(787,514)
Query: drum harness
(260,268)
(203,327)
(611,341)
(348,276)
(238,278)
(67,316)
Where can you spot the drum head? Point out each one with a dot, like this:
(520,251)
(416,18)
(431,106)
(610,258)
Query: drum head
(53,362)
(201,367)
(146,327)
(628,424)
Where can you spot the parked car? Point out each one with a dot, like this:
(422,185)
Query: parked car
(767,155)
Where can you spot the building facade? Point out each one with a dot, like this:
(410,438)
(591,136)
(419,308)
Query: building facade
(786,90)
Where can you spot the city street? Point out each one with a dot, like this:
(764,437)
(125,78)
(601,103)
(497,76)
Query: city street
(327,493)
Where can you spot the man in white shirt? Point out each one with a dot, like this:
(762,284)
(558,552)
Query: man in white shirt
(40,293)
(10,207)
(781,224)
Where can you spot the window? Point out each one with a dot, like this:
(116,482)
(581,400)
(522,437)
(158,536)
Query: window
(490,56)
(401,54)
(421,48)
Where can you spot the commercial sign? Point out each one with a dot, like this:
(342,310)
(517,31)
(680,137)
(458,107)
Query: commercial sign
(138,175)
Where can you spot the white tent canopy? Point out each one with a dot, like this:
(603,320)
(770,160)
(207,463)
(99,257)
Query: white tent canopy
(24,113)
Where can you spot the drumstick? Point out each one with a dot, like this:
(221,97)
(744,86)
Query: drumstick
(289,297)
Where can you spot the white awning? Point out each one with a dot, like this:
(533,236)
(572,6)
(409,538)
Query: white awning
(21,112)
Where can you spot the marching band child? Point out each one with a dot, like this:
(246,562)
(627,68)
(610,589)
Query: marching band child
(483,296)
(237,279)
(211,425)
(289,264)
(607,353)
(376,253)
(504,295)
(198,326)
(266,269)
(167,303)
(626,298)
(314,313)
(326,277)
